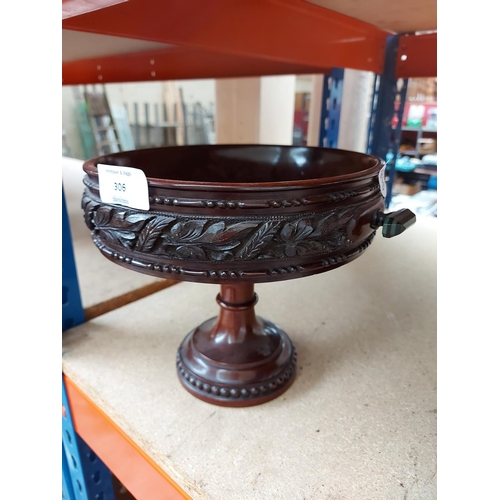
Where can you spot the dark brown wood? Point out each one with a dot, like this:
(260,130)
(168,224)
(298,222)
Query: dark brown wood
(217,226)
(238,215)
(237,358)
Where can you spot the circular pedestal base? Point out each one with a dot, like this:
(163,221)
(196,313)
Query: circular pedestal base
(227,372)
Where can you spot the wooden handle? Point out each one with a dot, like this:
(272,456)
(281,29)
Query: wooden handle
(394,223)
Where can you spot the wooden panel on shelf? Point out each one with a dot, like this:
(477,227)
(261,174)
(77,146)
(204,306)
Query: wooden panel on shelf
(396,17)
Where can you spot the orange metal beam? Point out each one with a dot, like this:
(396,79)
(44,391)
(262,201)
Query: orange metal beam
(177,63)
(291,31)
(417,56)
(131,465)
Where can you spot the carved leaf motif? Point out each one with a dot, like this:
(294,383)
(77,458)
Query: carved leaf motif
(297,230)
(220,256)
(151,233)
(219,240)
(336,240)
(221,251)
(132,218)
(102,216)
(238,230)
(212,233)
(306,247)
(88,207)
(259,240)
(85,201)
(189,230)
(191,252)
(225,246)
(118,220)
(331,222)
(126,220)
(120,237)
(199,251)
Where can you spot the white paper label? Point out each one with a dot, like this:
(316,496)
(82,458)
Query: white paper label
(125,186)
(381,181)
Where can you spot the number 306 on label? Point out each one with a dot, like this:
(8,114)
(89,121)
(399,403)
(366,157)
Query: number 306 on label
(119,186)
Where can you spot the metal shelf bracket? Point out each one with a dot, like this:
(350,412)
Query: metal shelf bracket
(330,109)
(72,309)
(85,476)
(388,100)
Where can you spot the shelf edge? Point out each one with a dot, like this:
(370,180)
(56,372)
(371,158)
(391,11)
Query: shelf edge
(126,460)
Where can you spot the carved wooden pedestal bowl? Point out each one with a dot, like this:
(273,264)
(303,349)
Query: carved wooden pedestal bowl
(236,216)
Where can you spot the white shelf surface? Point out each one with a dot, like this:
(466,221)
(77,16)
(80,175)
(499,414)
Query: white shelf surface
(358,422)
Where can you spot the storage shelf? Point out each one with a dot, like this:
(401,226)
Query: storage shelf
(417,129)
(166,444)
(362,408)
(197,39)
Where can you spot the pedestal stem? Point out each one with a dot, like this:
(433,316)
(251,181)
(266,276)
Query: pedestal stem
(237,317)
(237,294)
(236,358)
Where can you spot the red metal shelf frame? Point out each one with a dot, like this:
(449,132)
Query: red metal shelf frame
(232,38)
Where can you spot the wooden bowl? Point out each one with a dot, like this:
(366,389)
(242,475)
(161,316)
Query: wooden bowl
(236,215)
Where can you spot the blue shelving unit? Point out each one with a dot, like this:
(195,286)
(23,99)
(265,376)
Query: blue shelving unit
(333,85)
(388,100)
(72,309)
(85,476)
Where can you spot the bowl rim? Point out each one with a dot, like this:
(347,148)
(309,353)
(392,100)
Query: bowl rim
(90,166)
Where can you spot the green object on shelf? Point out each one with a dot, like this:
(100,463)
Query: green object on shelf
(414,122)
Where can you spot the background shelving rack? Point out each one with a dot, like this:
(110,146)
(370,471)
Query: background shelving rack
(107,41)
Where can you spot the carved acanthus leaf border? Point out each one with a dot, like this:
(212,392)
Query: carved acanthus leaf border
(217,239)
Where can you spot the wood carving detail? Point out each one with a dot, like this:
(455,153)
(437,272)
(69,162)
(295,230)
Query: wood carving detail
(217,239)
(237,216)
(322,199)
(228,274)
(263,204)
(248,392)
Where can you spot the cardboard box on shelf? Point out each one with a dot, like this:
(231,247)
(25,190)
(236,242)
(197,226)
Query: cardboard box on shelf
(421,90)
(426,146)
(408,189)
(302,101)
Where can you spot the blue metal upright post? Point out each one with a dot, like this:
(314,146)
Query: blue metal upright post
(85,476)
(73,481)
(72,315)
(67,483)
(389,96)
(98,479)
(72,309)
(330,110)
